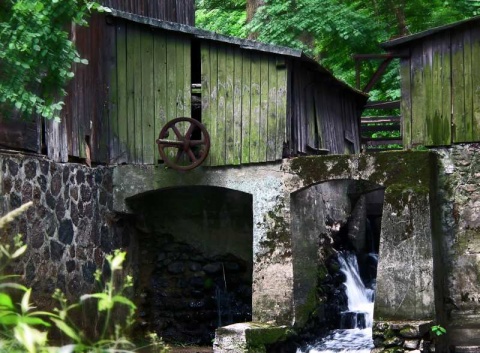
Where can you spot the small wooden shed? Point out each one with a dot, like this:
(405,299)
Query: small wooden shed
(440,83)
(259,103)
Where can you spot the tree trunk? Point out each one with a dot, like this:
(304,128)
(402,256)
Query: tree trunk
(252,7)
(399,9)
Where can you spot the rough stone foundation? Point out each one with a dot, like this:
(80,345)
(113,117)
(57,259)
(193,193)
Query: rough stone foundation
(404,336)
(188,295)
(458,221)
(69,228)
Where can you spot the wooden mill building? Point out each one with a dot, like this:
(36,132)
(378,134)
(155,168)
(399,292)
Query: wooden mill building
(259,102)
(440,83)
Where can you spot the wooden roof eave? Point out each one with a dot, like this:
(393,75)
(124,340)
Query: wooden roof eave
(317,67)
(242,43)
(398,42)
(203,34)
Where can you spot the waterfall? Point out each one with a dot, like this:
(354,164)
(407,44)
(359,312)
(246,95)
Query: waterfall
(355,333)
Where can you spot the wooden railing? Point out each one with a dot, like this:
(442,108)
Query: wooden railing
(371,131)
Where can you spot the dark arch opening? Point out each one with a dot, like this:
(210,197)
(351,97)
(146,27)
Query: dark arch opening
(329,218)
(195,260)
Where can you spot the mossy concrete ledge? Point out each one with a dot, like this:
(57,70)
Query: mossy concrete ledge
(248,337)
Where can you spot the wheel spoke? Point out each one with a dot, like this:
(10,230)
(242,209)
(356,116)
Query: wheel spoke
(170,143)
(179,155)
(197,142)
(177,132)
(189,133)
(179,151)
(191,155)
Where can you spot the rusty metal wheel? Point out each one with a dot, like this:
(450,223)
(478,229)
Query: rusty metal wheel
(188,148)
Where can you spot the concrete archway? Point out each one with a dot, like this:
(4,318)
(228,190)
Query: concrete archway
(195,260)
(325,217)
(408,178)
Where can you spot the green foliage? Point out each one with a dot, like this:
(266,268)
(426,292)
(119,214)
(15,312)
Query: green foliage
(438,330)
(36,53)
(25,330)
(225,17)
(332,31)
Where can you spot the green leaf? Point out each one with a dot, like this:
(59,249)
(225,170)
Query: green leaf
(10,319)
(22,249)
(25,303)
(6,301)
(121,299)
(105,304)
(13,285)
(94,295)
(34,321)
(69,331)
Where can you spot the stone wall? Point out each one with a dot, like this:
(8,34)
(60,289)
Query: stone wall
(69,228)
(404,175)
(458,221)
(403,337)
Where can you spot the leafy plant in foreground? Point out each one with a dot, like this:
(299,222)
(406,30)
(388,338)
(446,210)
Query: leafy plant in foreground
(438,330)
(36,53)
(24,329)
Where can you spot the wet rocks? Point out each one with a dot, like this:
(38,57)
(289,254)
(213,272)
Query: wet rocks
(405,336)
(190,294)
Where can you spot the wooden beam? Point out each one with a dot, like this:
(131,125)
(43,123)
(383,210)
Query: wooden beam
(383,105)
(361,57)
(380,119)
(377,75)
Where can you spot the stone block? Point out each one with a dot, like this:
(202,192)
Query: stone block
(411,344)
(248,337)
(412,329)
(467,349)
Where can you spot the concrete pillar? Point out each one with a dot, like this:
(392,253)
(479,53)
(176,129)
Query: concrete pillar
(405,287)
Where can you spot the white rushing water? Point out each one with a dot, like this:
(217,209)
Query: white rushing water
(360,300)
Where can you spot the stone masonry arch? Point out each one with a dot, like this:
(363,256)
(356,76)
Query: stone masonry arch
(405,272)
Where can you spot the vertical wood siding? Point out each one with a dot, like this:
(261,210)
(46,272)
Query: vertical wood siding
(83,131)
(258,107)
(325,115)
(153,80)
(244,104)
(137,79)
(181,11)
(441,89)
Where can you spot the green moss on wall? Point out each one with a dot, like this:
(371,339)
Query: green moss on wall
(260,334)
(314,169)
(387,168)
(278,234)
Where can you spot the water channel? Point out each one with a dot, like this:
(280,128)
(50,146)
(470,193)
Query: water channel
(355,332)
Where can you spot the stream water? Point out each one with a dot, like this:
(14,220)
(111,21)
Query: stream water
(355,334)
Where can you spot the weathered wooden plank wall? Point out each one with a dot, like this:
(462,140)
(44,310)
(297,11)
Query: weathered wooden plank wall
(244,104)
(441,89)
(137,79)
(181,11)
(83,132)
(254,105)
(153,79)
(325,115)
(16,132)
